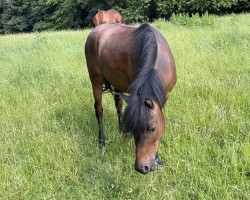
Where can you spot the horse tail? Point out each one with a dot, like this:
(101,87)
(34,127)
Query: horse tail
(90,15)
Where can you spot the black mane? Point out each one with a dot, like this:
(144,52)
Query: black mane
(147,84)
(91,14)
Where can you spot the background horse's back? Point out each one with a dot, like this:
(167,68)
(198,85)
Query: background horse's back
(97,17)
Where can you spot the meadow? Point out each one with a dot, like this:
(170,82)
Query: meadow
(48,131)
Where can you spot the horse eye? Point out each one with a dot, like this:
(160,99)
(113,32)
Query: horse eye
(152,130)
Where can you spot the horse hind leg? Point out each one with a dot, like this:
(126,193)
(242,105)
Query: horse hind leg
(98,112)
(118,105)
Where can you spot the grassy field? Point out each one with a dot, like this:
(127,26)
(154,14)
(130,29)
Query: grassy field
(48,131)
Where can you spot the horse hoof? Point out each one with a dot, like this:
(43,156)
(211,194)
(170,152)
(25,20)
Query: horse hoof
(101,144)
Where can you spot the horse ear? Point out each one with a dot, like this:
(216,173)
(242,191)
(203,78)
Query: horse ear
(149,103)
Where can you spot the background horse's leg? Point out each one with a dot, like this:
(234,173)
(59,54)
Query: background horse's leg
(118,105)
(98,112)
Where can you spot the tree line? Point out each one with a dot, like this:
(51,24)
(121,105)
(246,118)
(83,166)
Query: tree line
(37,15)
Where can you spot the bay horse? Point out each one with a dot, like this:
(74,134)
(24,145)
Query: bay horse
(97,17)
(137,62)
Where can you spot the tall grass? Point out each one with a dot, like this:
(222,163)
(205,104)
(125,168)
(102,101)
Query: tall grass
(48,131)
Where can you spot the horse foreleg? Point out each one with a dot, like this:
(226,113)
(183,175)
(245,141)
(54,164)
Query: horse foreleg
(118,105)
(98,113)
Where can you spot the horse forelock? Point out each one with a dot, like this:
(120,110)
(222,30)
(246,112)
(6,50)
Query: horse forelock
(147,85)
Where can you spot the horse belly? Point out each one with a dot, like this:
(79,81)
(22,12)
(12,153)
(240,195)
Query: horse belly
(118,74)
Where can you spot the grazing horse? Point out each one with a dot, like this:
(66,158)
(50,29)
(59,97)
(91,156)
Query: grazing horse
(139,62)
(97,17)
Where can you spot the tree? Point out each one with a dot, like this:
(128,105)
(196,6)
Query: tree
(1,21)
(15,16)
(67,15)
(41,13)
(37,15)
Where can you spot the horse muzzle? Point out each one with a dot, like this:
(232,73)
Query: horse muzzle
(155,164)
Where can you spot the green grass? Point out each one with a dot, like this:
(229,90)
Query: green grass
(48,131)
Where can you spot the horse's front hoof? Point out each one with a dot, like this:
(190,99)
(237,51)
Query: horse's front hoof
(101,144)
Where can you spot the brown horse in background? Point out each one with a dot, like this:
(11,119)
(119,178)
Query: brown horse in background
(137,61)
(97,17)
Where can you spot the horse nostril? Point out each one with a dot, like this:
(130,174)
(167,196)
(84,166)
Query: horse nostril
(142,169)
(145,169)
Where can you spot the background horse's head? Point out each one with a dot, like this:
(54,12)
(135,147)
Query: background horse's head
(97,17)
(90,16)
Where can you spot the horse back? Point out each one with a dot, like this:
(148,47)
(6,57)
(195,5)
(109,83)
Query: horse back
(108,54)
(112,16)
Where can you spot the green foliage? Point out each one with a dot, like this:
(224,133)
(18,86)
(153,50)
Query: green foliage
(58,14)
(136,10)
(41,13)
(199,6)
(67,15)
(15,16)
(241,6)
(25,15)
(163,9)
(1,21)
